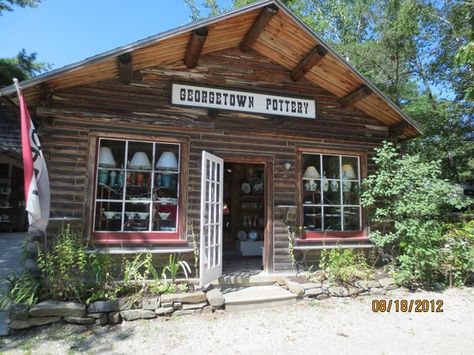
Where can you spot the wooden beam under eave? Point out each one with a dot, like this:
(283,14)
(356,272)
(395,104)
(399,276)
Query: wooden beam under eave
(125,64)
(355,96)
(313,58)
(45,94)
(258,27)
(397,129)
(195,46)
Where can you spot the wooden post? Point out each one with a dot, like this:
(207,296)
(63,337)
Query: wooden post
(257,28)
(355,96)
(195,46)
(308,63)
(125,68)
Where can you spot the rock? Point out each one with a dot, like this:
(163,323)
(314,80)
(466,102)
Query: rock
(353,291)
(194,305)
(387,281)
(373,284)
(362,284)
(57,308)
(177,305)
(296,288)
(325,285)
(102,319)
(323,296)
(338,291)
(4,330)
(134,314)
(163,311)
(103,306)
(19,312)
(115,318)
(193,297)
(4,317)
(183,312)
(215,298)
(313,292)
(311,285)
(167,304)
(32,322)
(79,320)
(206,310)
(378,291)
(94,315)
(151,303)
(391,287)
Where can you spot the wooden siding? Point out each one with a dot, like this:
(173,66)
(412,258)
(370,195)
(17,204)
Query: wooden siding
(143,109)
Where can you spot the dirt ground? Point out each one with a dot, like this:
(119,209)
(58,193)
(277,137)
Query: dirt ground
(331,326)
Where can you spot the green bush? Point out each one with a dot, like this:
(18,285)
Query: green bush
(63,266)
(409,205)
(344,266)
(458,253)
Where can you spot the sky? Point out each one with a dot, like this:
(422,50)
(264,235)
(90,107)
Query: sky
(63,32)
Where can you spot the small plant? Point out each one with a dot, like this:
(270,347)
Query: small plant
(62,267)
(173,267)
(343,266)
(139,270)
(22,288)
(195,250)
(100,268)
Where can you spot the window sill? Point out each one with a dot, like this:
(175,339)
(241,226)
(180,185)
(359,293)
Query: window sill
(132,238)
(311,237)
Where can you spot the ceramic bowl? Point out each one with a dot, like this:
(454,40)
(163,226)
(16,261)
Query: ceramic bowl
(142,215)
(241,235)
(109,214)
(130,215)
(164,215)
(253,235)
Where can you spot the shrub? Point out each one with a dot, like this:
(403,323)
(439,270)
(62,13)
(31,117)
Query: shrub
(458,253)
(409,205)
(343,266)
(173,267)
(62,267)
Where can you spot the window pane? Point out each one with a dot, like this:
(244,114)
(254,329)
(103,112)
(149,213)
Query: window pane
(312,197)
(350,168)
(110,176)
(351,218)
(138,185)
(137,216)
(140,156)
(332,192)
(166,157)
(312,218)
(331,166)
(351,193)
(332,218)
(311,172)
(108,216)
(165,217)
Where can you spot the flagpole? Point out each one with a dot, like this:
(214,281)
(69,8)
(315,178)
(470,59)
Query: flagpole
(17,86)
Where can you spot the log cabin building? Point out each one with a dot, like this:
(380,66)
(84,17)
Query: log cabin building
(223,131)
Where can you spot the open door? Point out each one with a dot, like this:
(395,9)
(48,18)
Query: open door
(212,177)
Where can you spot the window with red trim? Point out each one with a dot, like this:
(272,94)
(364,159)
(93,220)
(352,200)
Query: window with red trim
(136,188)
(330,194)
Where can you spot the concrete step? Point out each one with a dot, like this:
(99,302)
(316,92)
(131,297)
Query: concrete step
(244,279)
(256,297)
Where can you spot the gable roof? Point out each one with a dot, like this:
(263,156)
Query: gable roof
(284,39)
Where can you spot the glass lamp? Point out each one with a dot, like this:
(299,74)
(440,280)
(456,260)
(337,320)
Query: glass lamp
(140,161)
(311,174)
(168,161)
(347,173)
(106,158)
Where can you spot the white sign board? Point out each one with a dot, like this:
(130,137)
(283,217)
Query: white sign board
(233,100)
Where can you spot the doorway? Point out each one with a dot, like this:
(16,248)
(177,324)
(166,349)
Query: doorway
(244,219)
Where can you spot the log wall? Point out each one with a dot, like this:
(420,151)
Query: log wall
(142,108)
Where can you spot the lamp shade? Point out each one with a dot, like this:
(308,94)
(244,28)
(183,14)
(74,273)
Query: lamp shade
(106,158)
(167,160)
(349,171)
(140,161)
(311,173)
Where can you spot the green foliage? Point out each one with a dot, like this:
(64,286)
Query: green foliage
(409,204)
(22,67)
(174,266)
(457,255)
(343,266)
(22,288)
(6,5)
(63,266)
(139,269)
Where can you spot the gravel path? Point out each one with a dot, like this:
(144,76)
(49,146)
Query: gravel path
(329,326)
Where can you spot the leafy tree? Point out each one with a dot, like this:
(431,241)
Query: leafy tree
(6,5)
(22,67)
(410,221)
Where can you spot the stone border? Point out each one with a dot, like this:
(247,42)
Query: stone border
(110,312)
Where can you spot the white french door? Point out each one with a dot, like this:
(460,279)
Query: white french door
(212,177)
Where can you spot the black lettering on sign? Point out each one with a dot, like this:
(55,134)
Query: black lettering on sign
(182,94)
(287,102)
(251,103)
(211,97)
(241,99)
(197,95)
(225,98)
(218,98)
(232,100)
(293,106)
(300,109)
(204,97)
(190,95)
(306,107)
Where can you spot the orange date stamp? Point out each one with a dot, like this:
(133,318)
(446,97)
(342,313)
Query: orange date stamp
(407,306)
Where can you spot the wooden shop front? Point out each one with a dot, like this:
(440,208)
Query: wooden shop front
(219,132)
